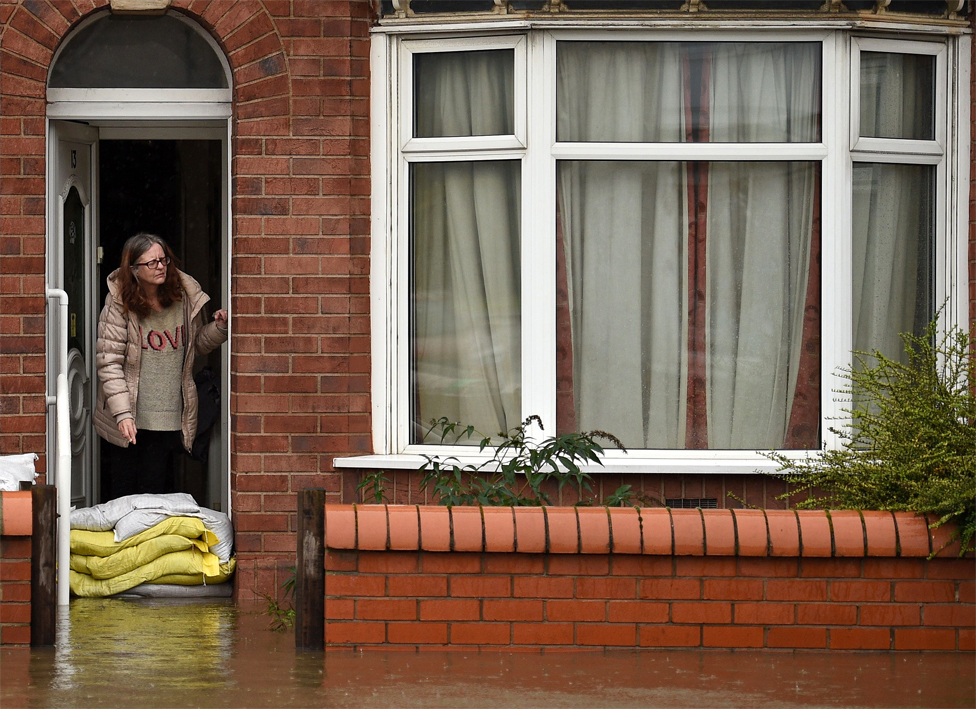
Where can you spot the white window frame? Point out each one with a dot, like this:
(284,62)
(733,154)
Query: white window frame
(393,148)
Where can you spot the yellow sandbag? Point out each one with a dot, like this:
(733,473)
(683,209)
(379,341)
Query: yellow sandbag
(226,571)
(126,560)
(103,543)
(189,562)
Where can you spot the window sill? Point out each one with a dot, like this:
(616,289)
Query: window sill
(702,463)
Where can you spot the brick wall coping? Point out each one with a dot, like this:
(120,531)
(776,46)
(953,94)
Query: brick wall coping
(15,513)
(650,531)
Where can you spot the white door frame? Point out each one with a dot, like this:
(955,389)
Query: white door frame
(122,120)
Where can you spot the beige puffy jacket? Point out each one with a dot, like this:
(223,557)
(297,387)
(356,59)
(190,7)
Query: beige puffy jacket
(118,354)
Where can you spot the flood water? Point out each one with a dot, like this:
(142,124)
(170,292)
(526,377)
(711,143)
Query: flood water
(146,653)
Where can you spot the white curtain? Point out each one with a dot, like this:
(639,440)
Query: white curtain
(624,228)
(892,238)
(893,207)
(759,228)
(465,282)
(897,95)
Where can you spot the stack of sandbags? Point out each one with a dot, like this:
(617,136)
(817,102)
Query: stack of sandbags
(148,540)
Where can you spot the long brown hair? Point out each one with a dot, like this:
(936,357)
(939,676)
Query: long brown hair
(131,293)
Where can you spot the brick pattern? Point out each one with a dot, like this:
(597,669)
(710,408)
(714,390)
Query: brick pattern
(545,601)
(15,590)
(420,577)
(300,269)
(649,489)
(972,192)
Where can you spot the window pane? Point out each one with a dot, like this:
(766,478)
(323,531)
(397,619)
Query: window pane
(688,303)
(465,296)
(893,245)
(688,92)
(126,52)
(897,96)
(464,93)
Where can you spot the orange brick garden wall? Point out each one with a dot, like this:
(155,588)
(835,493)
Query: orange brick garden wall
(15,568)
(542,579)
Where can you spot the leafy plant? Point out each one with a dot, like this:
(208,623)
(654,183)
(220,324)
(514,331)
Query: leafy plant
(374,485)
(282,617)
(912,442)
(621,497)
(519,469)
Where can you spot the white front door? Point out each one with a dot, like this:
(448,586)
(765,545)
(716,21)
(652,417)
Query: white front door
(71,267)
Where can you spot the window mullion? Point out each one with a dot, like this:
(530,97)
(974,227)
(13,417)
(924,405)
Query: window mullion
(837,274)
(538,277)
(957,273)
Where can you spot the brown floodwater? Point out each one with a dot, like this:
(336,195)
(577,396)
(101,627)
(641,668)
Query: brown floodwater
(146,653)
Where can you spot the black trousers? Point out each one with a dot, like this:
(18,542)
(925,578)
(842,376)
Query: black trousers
(147,466)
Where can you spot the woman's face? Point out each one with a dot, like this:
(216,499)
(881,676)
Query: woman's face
(151,277)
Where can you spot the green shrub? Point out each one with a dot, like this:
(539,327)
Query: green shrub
(912,442)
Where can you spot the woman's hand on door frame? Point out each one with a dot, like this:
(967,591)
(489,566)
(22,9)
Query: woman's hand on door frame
(127,427)
(220,317)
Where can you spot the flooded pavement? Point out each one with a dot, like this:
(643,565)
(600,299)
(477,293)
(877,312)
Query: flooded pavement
(146,653)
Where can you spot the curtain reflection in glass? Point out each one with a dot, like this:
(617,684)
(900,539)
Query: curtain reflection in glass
(897,96)
(464,93)
(465,288)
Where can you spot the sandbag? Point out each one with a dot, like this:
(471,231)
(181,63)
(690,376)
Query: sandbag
(188,563)
(103,517)
(15,469)
(103,543)
(158,590)
(225,574)
(217,522)
(131,558)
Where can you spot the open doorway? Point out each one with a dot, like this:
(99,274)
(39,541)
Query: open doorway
(171,188)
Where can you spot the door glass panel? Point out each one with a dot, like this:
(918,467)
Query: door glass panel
(897,96)
(464,93)
(74,268)
(127,52)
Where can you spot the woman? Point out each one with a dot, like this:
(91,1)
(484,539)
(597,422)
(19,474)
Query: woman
(151,329)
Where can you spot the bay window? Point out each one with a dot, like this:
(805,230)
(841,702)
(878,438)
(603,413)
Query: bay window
(677,237)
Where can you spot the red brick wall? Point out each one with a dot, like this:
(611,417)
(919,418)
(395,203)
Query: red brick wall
(300,350)
(15,590)
(589,578)
(972,188)
(650,490)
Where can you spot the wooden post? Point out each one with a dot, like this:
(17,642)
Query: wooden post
(44,549)
(310,571)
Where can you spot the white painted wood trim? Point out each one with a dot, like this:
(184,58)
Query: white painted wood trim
(380,283)
(107,110)
(690,151)
(728,463)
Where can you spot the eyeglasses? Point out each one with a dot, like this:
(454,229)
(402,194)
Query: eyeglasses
(154,264)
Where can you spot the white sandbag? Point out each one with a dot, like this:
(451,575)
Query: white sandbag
(105,516)
(15,469)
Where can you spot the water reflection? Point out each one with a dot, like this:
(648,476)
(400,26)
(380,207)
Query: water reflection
(143,653)
(112,643)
